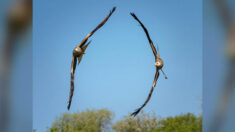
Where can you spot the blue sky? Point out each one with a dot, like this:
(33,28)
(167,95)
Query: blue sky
(118,68)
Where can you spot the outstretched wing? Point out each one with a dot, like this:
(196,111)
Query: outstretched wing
(150,94)
(99,26)
(73,67)
(147,34)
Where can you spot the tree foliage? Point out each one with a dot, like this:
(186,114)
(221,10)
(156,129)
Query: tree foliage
(149,123)
(100,121)
(182,123)
(89,121)
(141,123)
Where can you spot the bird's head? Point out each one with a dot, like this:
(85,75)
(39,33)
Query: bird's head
(159,63)
(78,51)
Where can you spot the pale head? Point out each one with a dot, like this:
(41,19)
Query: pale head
(78,51)
(159,63)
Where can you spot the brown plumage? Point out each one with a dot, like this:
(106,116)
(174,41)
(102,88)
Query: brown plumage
(79,51)
(158,63)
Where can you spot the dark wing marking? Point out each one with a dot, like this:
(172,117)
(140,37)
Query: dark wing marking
(99,26)
(73,67)
(150,94)
(147,34)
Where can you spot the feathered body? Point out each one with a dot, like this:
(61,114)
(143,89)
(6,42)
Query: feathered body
(158,64)
(79,51)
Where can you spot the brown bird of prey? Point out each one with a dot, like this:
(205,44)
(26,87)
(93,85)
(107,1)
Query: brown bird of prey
(79,51)
(158,64)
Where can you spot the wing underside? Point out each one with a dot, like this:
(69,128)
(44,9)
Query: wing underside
(150,94)
(147,34)
(99,26)
(73,67)
(74,61)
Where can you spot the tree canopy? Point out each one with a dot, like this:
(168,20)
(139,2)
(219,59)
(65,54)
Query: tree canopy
(101,121)
(141,123)
(88,121)
(182,123)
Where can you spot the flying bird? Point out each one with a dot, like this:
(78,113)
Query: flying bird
(79,51)
(158,64)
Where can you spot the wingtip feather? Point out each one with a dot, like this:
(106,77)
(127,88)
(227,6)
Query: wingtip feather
(131,13)
(69,104)
(114,8)
(136,112)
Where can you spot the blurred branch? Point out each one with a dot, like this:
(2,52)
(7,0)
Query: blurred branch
(18,20)
(224,12)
